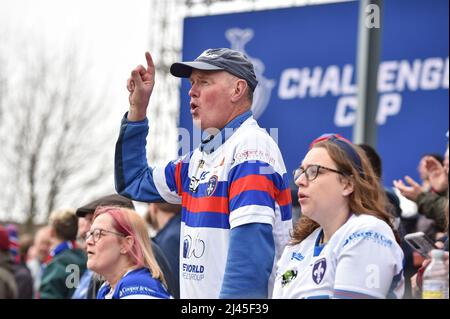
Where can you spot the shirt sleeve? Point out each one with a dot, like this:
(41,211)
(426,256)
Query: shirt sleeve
(369,265)
(258,185)
(256,191)
(249,265)
(140,287)
(134,178)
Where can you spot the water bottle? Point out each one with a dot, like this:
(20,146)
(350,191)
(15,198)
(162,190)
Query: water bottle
(435,277)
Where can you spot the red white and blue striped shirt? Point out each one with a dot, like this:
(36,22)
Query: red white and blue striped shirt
(241,182)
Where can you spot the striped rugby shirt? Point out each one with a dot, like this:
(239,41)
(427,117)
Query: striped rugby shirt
(243,181)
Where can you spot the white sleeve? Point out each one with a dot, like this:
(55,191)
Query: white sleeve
(160,179)
(369,264)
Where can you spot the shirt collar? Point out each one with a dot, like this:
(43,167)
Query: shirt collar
(61,247)
(317,246)
(213,142)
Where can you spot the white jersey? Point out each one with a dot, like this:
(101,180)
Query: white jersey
(243,181)
(361,260)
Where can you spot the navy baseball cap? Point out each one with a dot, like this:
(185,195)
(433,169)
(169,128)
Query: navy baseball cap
(109,200)
(224,59)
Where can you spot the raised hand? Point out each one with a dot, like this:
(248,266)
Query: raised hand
(411,192)
(140,85)
(437,174)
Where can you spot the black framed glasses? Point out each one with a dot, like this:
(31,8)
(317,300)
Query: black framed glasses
(312,171)
(97,233)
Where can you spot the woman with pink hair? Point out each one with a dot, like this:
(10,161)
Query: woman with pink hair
(119,249)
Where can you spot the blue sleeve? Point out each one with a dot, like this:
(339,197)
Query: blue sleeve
(133,176)
(250,261)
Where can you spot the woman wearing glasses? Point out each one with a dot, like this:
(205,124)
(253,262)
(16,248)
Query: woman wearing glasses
(343,246)
(119,249)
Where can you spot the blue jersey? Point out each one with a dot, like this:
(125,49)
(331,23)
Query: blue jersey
(238,179)
(135,284)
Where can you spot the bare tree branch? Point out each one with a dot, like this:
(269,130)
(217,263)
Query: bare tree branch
(51,148)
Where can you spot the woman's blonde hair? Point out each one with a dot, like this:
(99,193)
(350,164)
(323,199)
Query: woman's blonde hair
(368,196)
(129,223)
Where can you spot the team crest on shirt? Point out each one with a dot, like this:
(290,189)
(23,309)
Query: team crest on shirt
(319,269)
(288,276)
(212,185)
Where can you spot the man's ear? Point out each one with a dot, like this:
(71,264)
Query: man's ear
(349,186)
(240,88)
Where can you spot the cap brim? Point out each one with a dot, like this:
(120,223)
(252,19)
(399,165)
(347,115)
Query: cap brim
(184,69)
(82,212)
(109,200)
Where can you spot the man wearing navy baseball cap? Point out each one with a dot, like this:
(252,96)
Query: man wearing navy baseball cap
(232,187)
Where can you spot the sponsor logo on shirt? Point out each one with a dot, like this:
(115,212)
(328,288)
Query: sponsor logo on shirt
(254,155)
(297,256)
(193,272)
(193,247)
(288,276)
(136,290)
(375,237)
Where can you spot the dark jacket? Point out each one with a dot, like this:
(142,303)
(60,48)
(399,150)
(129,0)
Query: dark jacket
(168,239)
(172,284)
(24,281)
(8,286)
(58,280)
(432,205)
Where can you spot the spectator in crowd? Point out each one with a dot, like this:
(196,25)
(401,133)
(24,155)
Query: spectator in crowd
(165,219)
(438,177)
(22,274)
(66,263)
(423,172)
(431,203)
(296,209)
(438,180)
(119,249)
(423,223)
(89,284)
(84,224)
(438,174)
(375,160)
(41,250)
(344,245)
(394,208)
(94,281)
(233,187)
(8,285)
